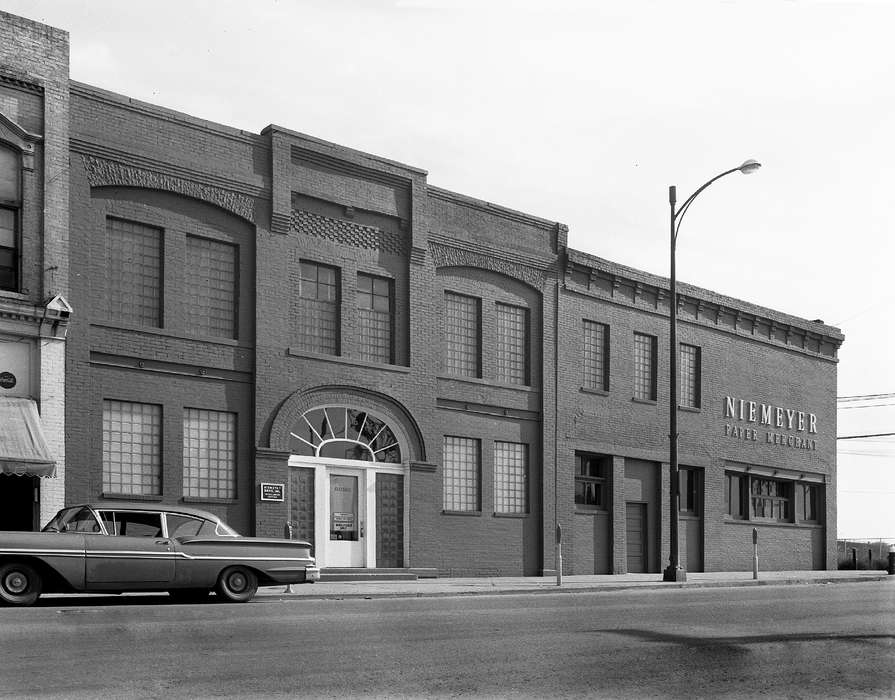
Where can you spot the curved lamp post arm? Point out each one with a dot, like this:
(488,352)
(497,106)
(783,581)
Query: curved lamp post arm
(750,166)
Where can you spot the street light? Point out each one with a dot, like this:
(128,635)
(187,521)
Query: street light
(675,572)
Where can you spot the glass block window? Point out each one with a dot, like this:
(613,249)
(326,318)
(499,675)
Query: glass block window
(462,470)
(134,273)
(591,482)
(644,367)
(132,448)
(319,309)
(209,454)
(690,376)
(211,287)
(512,333)
(462,335)
(510,477)
(376,320)
(596,355)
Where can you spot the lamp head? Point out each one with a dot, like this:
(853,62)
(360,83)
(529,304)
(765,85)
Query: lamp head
(750,166)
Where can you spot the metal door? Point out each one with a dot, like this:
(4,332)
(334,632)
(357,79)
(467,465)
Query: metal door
(637,545)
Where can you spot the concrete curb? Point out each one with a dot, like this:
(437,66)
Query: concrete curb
(445,589)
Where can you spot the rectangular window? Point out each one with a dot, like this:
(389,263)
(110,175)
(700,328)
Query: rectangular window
(512,336)
(462,335)
(644,367)
(771,499)
(462,474)
(320,300)
(9,257)
(591,482)
(211,287)
(810,503)
(510,478)
(132,448)
(735,496)
(376,319)
(596,355)
(10,204)
(134,273)
(690,376)
(209,454)
(690,488)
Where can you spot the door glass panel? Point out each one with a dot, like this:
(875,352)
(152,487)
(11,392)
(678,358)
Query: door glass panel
(343,507)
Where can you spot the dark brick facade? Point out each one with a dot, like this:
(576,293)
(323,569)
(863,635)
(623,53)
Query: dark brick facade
(281,197)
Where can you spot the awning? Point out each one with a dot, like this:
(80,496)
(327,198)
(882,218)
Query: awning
(23,447)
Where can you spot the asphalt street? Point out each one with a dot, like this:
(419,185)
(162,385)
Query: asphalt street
(802,641)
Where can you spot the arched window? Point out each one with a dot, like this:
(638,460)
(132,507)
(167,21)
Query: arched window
(10,204)
(342,432)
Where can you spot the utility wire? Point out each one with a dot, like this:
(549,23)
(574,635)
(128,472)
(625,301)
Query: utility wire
(864,397)
(860,437)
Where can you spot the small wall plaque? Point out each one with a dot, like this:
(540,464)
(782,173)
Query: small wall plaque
(272,492)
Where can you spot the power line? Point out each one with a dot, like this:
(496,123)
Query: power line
(869,405)
(860,437)
(864,397)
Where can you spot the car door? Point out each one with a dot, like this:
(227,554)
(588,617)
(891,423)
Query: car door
(134,554)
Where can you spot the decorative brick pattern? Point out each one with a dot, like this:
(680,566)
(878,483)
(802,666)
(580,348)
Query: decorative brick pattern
(347,233)
(102,172)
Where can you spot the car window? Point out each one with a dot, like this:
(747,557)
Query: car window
(73,520)
(183,525)
(132,524)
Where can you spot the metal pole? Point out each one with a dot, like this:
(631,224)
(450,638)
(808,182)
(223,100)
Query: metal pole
(558,555)
(755,553)
(674,572)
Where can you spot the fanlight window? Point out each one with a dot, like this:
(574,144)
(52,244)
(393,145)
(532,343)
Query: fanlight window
(340,432)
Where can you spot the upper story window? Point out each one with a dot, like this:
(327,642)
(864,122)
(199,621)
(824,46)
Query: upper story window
(691,376)
(320,300)
(462,335)
(10,207)
(596,355)
(211,285)
(134,272)
(376,318)
(645,367)
(512,340)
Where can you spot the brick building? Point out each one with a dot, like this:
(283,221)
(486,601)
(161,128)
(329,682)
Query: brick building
(293,333)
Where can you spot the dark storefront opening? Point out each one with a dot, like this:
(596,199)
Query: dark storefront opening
(19,497)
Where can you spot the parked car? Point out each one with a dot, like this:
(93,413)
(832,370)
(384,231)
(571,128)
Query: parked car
(122,547)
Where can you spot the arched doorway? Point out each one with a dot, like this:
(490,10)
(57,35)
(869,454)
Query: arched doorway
(347,487)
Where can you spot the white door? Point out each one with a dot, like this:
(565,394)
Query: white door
(347,529)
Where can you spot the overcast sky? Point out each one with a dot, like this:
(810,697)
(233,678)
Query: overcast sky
(585,113)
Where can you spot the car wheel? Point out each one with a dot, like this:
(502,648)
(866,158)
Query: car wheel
(20,584)
(237,584)
(189,595)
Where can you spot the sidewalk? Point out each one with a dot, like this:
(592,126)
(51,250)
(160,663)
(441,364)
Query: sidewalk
(429,587)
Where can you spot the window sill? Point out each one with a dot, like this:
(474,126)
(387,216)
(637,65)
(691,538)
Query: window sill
(113,496)
(591,511)
(485,382)
(342,360)
(10,294)
(199,499)
(649,402)
(511,515)
(774,523)
(690,409)
(167,333)
(462,513)
(596,392)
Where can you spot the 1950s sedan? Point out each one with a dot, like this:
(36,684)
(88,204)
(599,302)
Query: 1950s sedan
(123,547)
